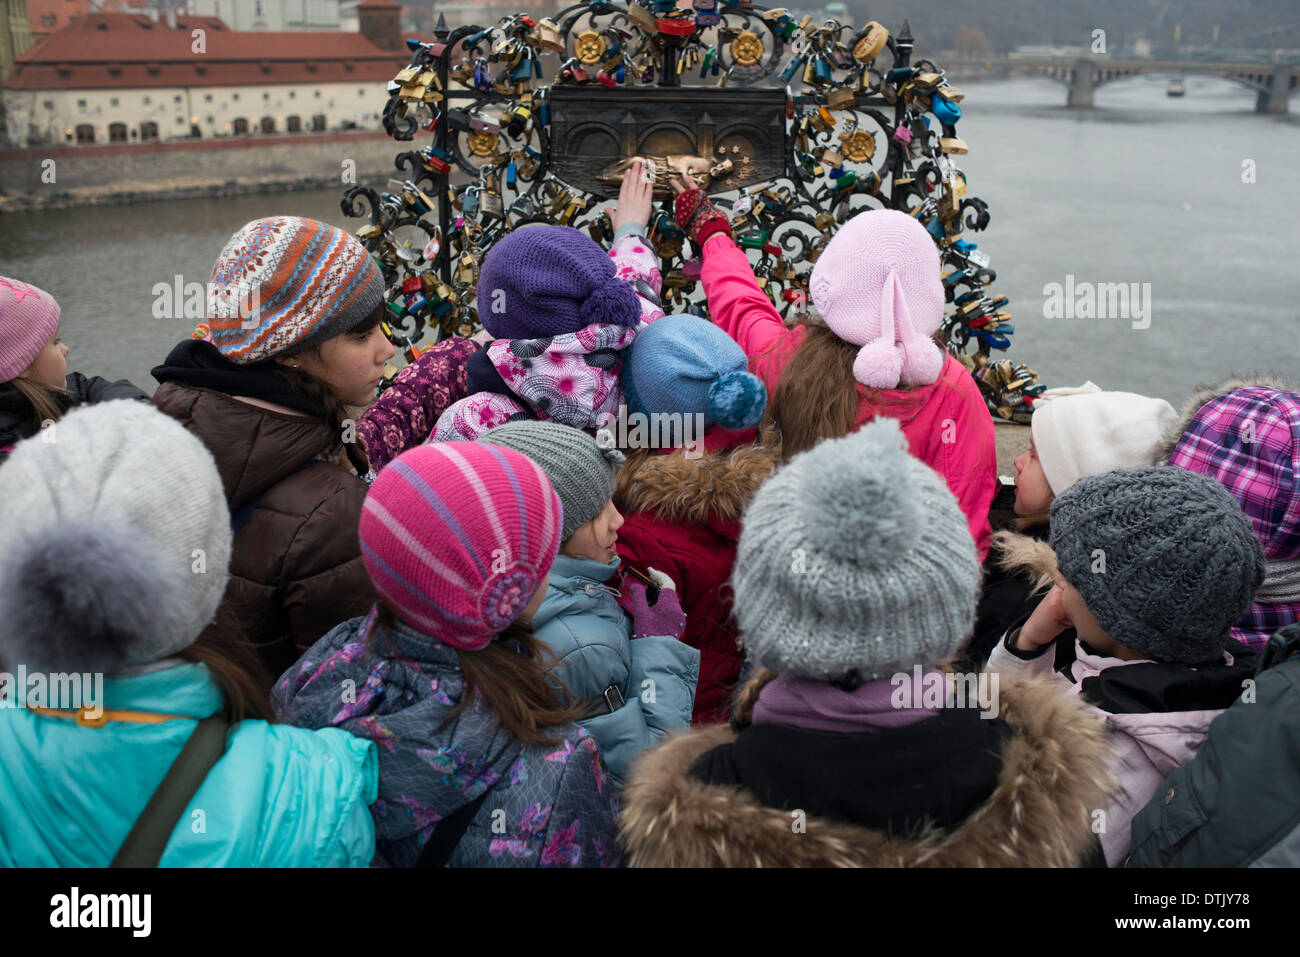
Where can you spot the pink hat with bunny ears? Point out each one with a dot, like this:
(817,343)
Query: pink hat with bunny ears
(28,317)
(877,286)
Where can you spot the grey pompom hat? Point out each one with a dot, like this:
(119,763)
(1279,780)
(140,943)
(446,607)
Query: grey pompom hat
(854,558)
(115,543)
(1165,559)
(581,470)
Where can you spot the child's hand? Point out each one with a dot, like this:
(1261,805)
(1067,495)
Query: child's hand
(683,184)
(635,197)
(1048,620)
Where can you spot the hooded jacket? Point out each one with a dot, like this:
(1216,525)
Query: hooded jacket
(590,635)
(682,512)
(295,566)
(1048,775)
(1157,714)
(1237,803)
(549,806)
(1252,446)
(279,797)
(947,423)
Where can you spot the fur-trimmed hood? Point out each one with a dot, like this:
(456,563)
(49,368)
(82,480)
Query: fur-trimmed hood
(678,488)
(1204,394)
(1053,777)
(1026,555)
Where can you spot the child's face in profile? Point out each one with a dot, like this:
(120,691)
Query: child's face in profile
(596,539)
(1086,626)
(50,368)
(1033,494)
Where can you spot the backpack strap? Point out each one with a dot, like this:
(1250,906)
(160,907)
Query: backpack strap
(152,830)
(447,833)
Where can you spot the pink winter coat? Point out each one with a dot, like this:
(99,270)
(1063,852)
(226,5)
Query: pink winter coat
(947,423)
(1147,747)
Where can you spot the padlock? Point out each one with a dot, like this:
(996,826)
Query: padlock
(832,158)
(511,173)
(953,145)
(824,220)
(517,119)
(902,135)
(548,35)
(642,17)
(483,123)
(492,205)
(469,201)
(945,112)
(368,232)
(840,98)
(467,269)
(436,159)
(873,40)
(794,66)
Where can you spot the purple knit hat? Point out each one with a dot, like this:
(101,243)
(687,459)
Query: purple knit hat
(550,280)
(457,538)
(28,317)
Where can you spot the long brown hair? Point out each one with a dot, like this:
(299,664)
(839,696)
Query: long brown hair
(817,395)
(514,676)
(235,666)
(48,404)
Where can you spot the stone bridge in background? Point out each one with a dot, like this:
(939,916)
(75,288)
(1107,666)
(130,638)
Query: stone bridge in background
(1273,82)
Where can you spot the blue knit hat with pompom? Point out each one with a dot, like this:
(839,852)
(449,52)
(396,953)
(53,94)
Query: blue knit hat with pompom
(685,364)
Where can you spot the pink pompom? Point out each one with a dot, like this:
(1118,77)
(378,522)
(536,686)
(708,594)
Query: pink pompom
(879,365)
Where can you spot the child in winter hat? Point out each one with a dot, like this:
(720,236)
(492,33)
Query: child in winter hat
(35,386)
(855,574)
(562,311)
(684,365)
(877,285)
(1246,434)
(583,621)
(1074,432)
(459,539)
(1155,564)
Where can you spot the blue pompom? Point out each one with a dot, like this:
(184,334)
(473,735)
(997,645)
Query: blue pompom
(736,401)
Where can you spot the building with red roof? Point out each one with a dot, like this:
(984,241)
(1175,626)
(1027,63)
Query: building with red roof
(115,77)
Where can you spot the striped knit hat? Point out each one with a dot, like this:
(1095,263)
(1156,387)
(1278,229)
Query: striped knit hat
(284,284)
(457,538)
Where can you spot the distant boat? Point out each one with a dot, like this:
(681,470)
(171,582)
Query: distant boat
(1176,87)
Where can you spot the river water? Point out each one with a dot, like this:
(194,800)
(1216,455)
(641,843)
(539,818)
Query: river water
(1143,189)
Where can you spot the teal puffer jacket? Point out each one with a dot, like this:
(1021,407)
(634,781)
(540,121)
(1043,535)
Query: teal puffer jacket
(1237,803)
(280,796)
(589,634)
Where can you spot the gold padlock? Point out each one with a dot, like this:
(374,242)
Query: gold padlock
(832,158)
(953,145)
(643,18)
(841,98)
(869,47)
(824,220)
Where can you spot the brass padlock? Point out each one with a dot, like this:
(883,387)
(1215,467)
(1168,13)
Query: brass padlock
(467,269)
(867,49)
(841,98)
(953,145)
(824,220)
(832,158)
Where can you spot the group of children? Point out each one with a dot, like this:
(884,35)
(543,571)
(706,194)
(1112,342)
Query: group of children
(477,622)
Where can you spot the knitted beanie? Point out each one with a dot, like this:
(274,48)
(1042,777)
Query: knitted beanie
(1078,435)
(293,283)
(458,536)
(550,280)
(580,470)
(854,557)
(877,285)
(28,318)
(686,365)
(1164,559)
(115,543)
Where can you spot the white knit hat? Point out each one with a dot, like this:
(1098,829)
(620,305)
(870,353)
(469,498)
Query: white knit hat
(1089,433)
(115,543)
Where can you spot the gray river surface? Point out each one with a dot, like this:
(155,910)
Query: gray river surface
(1143,189)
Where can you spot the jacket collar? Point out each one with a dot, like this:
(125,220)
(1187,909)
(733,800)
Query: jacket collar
(714,486)
(1053,774)
(567,568)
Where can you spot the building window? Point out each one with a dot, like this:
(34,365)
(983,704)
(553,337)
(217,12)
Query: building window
(266,96)
(293,124)
(180,121)
(317,94)
(361,92)
(148,100)
(85,133)
(49,104)
(318,123)
(176,98)
(81,104)
(241,126)
(234,97)
(258,9)
(293,94)
(268,124)
(207,97)
(148,131)
(112,101)
(209,120)
(117,132)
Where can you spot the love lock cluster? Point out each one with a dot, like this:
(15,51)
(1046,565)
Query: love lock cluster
(865,127)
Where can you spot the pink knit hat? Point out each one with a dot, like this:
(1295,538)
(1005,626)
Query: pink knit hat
(28,317)
(877,286)
(458,536)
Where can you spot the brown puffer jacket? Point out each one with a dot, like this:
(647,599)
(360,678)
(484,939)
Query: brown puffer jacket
(295,568)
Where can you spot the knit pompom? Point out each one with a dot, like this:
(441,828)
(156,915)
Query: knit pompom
(87,596)
(736,400)
(879,365)
(923,363)
(859,500)
(613,301)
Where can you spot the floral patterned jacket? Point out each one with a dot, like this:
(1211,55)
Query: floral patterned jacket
(546,806)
